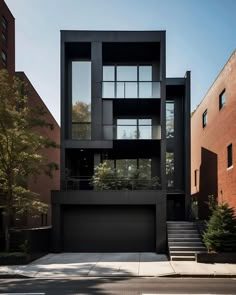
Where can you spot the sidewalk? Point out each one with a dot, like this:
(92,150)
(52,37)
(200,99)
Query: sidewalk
(115,264)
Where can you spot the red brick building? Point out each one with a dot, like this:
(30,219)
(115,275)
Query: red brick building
(7,39)
(44,184)
(213,143)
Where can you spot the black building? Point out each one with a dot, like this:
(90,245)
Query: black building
(118,107)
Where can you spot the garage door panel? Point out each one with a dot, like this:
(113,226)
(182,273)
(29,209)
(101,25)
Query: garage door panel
(109,228)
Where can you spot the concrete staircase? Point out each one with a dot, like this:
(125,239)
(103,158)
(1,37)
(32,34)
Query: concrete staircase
(183,240)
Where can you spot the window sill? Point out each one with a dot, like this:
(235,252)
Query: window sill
(230,168)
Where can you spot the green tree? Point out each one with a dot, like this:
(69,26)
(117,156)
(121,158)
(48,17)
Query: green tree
(20,150)
(220,234)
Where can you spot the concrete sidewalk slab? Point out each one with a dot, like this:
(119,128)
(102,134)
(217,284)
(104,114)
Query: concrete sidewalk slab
(115,264)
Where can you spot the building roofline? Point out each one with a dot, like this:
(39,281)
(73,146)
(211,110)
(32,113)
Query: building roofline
(110,31)
(8,9)
(28,81)
(231,56)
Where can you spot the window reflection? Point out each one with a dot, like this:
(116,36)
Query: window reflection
(170,169)
(134,129)
(129,82)
(170,119)
(81,100)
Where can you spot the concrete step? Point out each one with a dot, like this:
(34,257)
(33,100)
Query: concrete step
(187,248)
(184,236)
(183,258)
(185,243)
(184,253)
(181,239)
(192,231)
(181,227)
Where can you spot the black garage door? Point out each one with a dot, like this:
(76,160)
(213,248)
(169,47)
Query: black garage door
(109,228)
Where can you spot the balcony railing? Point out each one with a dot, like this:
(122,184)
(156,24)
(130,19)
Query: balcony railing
(82,131)
(131,132)
(85,183)
(131,89)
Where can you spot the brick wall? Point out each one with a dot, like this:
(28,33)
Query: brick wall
(209,144)
(9,47)
(44,184)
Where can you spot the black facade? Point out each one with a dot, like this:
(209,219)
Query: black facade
(118,107)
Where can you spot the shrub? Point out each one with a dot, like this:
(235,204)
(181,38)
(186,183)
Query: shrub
(220,234)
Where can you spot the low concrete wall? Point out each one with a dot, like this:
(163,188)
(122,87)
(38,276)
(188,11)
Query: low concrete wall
(38,239)
(216,257)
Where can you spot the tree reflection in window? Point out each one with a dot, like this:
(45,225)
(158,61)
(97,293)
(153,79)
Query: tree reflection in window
(81,100)
(170,169)
(170,119)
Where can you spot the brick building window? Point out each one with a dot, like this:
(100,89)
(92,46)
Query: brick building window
(229,155)
(4,40)
(222,99)
(4,59)
(195,177)
(204,119)
(4,24)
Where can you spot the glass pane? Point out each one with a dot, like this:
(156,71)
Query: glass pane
(131,90)
(110,164)
(108,73)
(145,89)
(145,73)
(108,90)
(108,132)
(81,91)
(145,121)
(170,169)
(126,167)
(156,90)
(170,119)
(120,90)
(126,73)
(127,132)
(145,132)
(81,131)
(145,168)
(127,122)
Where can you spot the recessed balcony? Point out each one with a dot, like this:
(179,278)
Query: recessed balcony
(131,132)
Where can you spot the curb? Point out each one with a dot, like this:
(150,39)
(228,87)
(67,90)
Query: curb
(175,275)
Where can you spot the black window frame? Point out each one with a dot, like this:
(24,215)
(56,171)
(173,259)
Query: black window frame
(221,104)
(230,155)
(204,119)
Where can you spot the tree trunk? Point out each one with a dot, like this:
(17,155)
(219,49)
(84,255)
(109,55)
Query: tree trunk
(6,231)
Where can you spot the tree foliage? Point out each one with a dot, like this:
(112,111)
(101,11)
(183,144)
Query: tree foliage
(220,234)
(106,178)
(21,146)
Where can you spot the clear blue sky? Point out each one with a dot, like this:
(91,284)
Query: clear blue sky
(200,36)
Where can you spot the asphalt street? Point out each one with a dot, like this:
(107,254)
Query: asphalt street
(119,285)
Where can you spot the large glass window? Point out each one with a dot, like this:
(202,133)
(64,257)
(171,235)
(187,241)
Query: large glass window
(128,167)
(170,168)
(123,81)
(134,129)
(170,109)
(81,100)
